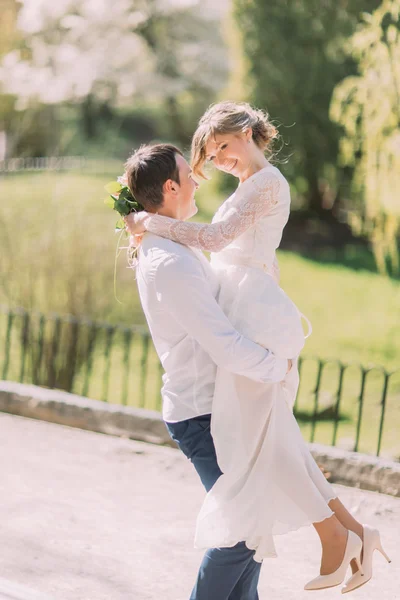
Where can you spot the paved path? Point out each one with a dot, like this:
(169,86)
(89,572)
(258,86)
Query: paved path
(86,516)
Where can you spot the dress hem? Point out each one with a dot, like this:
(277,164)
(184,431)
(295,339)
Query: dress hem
(231,543)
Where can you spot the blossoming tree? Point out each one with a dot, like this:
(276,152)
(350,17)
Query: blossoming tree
(367,106)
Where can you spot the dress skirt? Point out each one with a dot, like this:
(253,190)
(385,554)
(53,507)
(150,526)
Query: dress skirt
(271,484)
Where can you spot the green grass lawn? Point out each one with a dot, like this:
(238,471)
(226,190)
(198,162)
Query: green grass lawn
(57,251)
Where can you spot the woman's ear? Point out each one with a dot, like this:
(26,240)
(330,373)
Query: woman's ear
(249,134)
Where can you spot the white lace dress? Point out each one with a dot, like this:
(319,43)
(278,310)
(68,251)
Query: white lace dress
(270,483)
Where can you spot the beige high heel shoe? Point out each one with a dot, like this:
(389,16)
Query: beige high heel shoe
(352,551)
(372,541)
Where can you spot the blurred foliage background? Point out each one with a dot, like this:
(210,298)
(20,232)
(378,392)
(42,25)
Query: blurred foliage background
(85,82)
(80,79)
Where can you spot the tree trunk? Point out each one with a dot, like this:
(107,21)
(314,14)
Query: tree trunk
(89,117)
(314,194)
(178,127)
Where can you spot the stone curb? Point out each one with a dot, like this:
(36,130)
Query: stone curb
(77,411)
(348,468)
(358,470)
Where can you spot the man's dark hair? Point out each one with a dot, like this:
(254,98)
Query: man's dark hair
(148,169)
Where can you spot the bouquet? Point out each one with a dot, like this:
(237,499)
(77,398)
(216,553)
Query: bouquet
(121,199)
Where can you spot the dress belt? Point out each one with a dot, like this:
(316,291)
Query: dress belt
(245,262)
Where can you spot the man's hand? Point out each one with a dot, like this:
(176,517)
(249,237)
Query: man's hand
(134,222)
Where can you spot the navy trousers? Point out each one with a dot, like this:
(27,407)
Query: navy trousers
(225,573)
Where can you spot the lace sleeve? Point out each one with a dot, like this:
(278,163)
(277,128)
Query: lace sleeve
(255,202)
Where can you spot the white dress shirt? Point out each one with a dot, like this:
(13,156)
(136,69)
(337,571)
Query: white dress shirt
(191,334)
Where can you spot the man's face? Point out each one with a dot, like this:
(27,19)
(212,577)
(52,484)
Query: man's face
(184,201)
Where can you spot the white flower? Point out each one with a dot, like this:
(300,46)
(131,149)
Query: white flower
(123,180)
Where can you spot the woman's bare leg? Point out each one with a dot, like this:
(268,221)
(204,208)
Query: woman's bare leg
(333,535)
(348,521)
(345,517)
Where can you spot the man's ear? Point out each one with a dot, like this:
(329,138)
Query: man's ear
(169,187)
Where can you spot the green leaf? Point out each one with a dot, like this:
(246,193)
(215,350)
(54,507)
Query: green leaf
(125,194)
(122,207)
(113,187)
(109,202)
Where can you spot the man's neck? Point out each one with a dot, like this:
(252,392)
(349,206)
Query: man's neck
(165,212)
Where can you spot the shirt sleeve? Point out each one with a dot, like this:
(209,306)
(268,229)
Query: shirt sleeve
(260,194)
(184,292)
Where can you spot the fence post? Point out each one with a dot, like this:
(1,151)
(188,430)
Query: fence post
(54,351)
(24,344)
(127,349)
(143,366)
(321,365)
(360,407)
(337,406)
(107,358)
(92,333)
(383,403)
(7,345)
(38,363)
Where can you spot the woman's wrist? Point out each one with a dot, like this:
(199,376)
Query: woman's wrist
(135,222)
(144,219)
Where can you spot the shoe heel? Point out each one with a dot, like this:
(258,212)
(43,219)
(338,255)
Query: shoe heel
(358,562)
(381,550)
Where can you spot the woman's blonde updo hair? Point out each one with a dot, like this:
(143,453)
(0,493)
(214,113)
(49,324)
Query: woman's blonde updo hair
(231,117)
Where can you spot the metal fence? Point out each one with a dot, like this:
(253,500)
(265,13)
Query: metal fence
(57,163)
(349,405)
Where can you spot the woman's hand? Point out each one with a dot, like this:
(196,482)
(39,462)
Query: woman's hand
(134,222)
(135,241)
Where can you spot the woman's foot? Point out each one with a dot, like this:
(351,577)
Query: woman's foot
(372,542)
(352,551)
(333,536)
(360,533)
(333,551)
(348,521)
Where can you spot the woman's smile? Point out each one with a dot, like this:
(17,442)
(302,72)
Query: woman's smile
(229,165)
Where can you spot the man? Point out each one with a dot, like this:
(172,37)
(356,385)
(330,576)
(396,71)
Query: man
(192,335)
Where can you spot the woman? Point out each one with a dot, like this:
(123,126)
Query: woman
(270,483)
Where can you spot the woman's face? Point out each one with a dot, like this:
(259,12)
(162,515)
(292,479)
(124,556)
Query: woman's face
(230,153)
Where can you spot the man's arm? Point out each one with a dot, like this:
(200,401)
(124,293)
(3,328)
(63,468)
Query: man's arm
(184,291)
